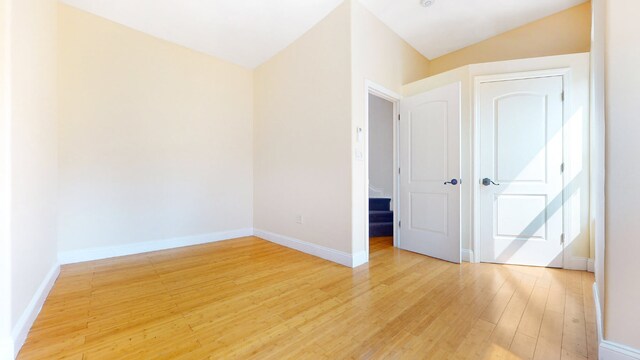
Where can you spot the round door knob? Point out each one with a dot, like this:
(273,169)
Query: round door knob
(452,182)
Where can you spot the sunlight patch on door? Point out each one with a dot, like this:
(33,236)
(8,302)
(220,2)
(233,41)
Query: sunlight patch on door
(521,217)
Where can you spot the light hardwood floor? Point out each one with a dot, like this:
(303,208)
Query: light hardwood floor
(249,298)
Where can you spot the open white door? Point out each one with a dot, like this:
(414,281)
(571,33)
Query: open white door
(430,173)
(521,196)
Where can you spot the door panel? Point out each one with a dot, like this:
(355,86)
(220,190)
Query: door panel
(521,216)
(520,138)
(429,157)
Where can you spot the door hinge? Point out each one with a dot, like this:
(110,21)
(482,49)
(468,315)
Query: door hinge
(562,167)
(562,96)
(562,238)
(398,171)
(398,116)
(400,223)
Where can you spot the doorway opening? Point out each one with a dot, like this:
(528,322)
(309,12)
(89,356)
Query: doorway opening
(381,173)
(381,168)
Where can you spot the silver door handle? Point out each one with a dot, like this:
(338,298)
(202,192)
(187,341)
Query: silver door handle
(487,182)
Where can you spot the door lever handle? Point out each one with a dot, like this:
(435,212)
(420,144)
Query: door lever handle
(487,182)
(452,182)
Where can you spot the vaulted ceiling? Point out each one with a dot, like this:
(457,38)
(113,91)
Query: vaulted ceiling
(244,32)
(449,25)
(249,32)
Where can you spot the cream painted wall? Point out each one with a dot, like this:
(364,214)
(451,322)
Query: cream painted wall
(302,137)
(578,100)
(34,143)
(598,146)
(5,247)
(380,56)
(155,139)
(380,147)
(622,268)
(566,32)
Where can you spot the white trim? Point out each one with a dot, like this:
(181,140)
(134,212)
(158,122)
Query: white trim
(381,91)
(386,94)
(591,265)
(609,350)
(320,251)
(466,255)
(596,300)
(6,349)
(75,256)
(29,315)
(360,258)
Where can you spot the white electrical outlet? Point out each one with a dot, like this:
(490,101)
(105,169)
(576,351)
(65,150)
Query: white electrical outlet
(299,219)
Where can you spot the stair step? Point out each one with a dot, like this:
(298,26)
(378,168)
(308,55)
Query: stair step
(381,229)
(379,204)
(380,216)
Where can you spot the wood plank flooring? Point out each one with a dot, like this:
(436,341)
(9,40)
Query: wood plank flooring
(248,298)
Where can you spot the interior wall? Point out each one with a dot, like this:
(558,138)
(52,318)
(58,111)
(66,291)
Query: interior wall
(33,148)
(5,248)
(302,139)
(380,56)
(155,139)
(598,146)
(380,147)
(566,32)
(578,246)
(622,55)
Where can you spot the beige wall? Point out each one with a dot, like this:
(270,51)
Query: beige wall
(5,247)
(622,287)
(380,56)
(155,139)
(34,170)
(302,137)
(598,146)
(566,32)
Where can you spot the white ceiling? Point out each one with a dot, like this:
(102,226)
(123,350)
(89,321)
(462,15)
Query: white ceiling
(450,25)
(249,32)
(245,32)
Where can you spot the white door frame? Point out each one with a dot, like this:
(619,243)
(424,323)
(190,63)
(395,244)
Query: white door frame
(384,93)
(565,73)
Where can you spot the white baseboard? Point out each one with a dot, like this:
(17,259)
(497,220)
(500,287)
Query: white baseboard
(591,265)
(22,327)
(576,263)
(609,350)
(612,351)
(6,348)
(360,258)
(326,253)
(75,256)
(467,255)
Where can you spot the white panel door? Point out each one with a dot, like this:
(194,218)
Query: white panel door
(430,173)
(521,197)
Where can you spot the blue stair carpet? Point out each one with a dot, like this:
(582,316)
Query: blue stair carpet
(380,217)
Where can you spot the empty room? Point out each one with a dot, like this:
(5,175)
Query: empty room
(326,179)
